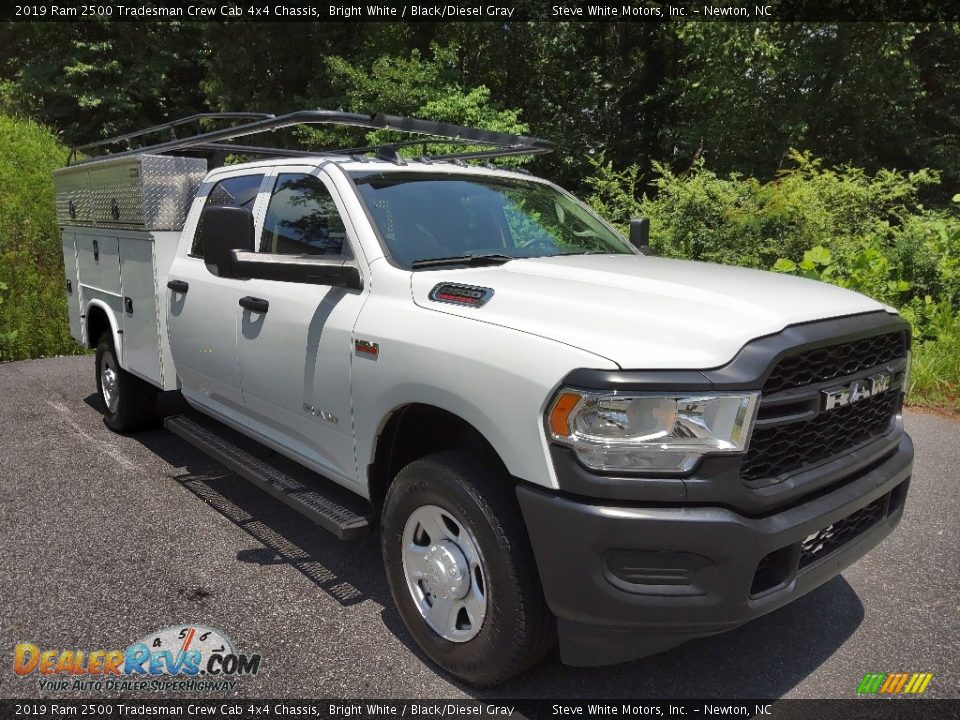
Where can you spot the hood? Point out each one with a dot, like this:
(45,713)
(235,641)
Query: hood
(642,312)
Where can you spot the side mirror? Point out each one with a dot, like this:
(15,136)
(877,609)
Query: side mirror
(640,235)
(225,229)
(228,250)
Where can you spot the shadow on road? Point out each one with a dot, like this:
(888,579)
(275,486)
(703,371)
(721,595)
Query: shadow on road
(764,659)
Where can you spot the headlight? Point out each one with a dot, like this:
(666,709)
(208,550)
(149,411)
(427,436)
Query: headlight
(614,431)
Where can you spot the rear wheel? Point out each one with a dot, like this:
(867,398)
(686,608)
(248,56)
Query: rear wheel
(461,569)
(128,402)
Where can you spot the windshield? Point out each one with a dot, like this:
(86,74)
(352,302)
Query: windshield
(424,216)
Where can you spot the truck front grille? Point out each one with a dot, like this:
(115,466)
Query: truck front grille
(827,363)
(780,449)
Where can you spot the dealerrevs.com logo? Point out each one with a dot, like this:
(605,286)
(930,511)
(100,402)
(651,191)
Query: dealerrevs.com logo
(187,658)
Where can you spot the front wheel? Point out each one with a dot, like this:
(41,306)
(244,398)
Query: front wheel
(461,570)
(128,402)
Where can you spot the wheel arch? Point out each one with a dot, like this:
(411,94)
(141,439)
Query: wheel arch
(98,318)
(415,430)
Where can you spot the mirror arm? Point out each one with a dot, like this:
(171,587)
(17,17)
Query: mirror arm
(296,268)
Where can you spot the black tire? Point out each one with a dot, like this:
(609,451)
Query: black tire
(518,629)
(134,405)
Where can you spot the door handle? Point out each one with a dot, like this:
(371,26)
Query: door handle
(180,286)
(253,304)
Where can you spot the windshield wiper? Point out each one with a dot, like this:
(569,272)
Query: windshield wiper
(469,260)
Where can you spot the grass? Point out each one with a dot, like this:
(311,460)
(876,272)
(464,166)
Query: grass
(935,374)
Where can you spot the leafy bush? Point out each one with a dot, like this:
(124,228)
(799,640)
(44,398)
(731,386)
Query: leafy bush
(742,221)
(6,338)
(33,311)
(615,194)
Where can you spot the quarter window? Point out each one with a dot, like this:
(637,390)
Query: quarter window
(302,219)
(232,192)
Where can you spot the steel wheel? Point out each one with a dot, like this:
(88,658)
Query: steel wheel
(128,401)
(461,569)
(444,573)
(109,381)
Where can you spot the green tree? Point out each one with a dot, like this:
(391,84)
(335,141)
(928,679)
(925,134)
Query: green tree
(438,94)
(95,79)
(873,94)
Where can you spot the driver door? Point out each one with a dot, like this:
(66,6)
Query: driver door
(295,340)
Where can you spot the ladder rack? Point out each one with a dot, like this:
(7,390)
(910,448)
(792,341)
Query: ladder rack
(492,143)
(169,127)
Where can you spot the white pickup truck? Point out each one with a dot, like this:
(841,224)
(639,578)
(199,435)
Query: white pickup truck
(558,436)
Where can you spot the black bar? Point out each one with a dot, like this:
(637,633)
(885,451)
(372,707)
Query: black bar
(502,12)
(173,124)
(257,150)
(217,707)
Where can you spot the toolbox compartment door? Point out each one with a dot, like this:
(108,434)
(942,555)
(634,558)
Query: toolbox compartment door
(141,332)
(98,258)
(72,284)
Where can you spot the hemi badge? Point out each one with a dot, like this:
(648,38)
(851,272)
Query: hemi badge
(367,349)
(468,295)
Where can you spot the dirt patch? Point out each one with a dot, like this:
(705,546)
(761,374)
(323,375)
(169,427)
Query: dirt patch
(944,412)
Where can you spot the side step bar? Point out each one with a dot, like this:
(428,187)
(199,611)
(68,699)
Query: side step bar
(332,508)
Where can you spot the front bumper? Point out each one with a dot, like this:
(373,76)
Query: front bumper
(625,581)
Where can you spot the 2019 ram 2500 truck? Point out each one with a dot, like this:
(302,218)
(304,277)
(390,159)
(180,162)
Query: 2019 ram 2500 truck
(558,436)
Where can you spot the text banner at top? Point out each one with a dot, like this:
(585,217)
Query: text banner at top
(497,11)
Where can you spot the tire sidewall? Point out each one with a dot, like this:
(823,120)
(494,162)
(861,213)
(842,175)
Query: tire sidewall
(104,347)
(433,484)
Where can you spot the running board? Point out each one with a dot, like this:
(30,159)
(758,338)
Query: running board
(331,507)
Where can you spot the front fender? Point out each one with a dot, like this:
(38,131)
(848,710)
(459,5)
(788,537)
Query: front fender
(496,379)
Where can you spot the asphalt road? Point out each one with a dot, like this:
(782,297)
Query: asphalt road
(104,539)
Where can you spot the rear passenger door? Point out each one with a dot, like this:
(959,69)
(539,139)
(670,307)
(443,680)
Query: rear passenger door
(295,340)
(202,309)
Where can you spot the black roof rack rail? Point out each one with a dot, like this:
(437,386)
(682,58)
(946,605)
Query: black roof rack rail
(497,144)
(255,150)
(170,127)
(402,143)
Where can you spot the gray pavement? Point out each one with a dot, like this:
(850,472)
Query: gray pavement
(104,539)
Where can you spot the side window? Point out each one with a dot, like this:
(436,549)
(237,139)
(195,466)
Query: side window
(232,192)
(302,219)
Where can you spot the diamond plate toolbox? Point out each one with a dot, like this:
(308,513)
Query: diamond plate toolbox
(138,192)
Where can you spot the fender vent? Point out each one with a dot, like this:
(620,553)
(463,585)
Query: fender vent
(469,295)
